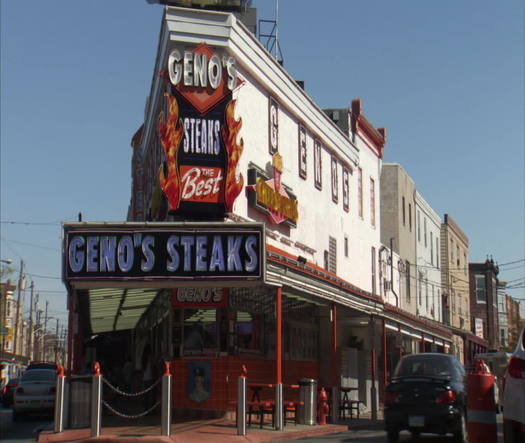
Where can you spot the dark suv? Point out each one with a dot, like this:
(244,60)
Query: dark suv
(427,394)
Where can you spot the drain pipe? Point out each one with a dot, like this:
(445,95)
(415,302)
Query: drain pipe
(392,271)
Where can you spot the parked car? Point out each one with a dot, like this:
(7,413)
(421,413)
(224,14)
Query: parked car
(35,392)
(427,394)
(7,394)
(514,394)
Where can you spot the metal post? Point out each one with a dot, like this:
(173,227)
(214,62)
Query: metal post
(20,288)
(373,389)
(166,401)
(336,401)
(279,407)
(241,403)
(96,400)
(59,400)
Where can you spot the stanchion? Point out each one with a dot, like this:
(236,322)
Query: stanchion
(166,401)
(241,402)
(279,422)
(96,400)
(481,408)
(335,402)
(59,400)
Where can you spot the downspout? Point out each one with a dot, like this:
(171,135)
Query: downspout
(392,271)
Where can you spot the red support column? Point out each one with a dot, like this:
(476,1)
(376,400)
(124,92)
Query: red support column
(335,381)
(278,336)
(385,367)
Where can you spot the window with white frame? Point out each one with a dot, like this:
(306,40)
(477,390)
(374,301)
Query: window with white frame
(481,289)
(372,202)
(318,178)
(360,191)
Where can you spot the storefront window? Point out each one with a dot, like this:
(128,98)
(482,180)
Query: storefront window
(200,335)
(248,331)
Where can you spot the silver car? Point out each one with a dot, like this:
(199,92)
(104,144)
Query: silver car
(35,392)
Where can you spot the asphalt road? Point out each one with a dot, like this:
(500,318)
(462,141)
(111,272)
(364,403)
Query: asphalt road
(22,431)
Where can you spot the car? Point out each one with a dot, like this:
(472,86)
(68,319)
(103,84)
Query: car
(35,392)
(427,394)
(7,395)
(514,394)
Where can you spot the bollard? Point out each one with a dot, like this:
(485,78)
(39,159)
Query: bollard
(323,410)
(279,407)
(96,400)
(481,408)
(166,401)
(59,400)
(333,406)
(241,402)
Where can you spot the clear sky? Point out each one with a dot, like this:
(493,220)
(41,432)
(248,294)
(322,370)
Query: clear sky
(446,78)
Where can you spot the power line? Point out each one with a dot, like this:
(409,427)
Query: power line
(511,262)
(30,244)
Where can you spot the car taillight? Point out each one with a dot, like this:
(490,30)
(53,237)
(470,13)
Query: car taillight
(4,390)
(20,390)
(390,397)
(516,367)
(446,397)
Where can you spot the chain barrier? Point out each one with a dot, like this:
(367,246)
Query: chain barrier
(131,394)
(122,415)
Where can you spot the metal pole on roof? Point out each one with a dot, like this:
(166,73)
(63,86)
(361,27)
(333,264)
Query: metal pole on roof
(18,301)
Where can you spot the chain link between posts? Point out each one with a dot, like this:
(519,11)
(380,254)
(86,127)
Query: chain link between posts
(122,415)
(131,394)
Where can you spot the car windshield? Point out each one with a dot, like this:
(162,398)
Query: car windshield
(428,365)
(37,375)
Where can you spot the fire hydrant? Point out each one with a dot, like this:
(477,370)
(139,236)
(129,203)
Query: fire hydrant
(322,408)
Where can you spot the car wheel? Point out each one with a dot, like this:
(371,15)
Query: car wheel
(416,435)
(460,436)
(392,436)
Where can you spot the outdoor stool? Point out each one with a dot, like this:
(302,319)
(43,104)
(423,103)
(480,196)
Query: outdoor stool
(354,406)
(291,407)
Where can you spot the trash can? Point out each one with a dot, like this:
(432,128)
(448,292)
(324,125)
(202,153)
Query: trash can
(308,396)
(79,401)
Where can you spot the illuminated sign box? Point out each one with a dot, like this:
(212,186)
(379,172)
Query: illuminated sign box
(164,251)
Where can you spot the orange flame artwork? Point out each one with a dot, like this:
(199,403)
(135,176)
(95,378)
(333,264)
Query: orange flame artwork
(229,132)
(170,135)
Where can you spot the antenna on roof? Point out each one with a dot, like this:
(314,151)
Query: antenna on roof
(271,35)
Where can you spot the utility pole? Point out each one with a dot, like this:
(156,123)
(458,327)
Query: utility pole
(30,340)
(18,302)
(44,350)
(56,342)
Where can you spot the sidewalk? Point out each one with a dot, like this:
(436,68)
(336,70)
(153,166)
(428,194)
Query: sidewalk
(218,430)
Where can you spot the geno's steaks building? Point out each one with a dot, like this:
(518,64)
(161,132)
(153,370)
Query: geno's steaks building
(252,234)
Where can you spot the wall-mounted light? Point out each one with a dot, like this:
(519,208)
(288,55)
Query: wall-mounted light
(301,260)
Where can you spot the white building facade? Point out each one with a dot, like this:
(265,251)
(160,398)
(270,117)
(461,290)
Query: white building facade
(428,231)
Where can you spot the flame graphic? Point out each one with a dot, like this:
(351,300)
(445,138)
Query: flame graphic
(229,133)
(170,135)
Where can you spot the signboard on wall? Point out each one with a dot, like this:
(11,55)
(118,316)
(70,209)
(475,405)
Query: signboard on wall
(199,297)
(183,252)
(478,327)
(199,133)
(270,197)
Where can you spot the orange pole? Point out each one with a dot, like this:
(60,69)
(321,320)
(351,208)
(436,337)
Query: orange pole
(278,336)
(334,345)
(385,367)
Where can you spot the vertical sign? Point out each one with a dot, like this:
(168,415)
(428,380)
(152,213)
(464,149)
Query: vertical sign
(335,181)
(346,189)
(302,152)
(273,120)
(317,165)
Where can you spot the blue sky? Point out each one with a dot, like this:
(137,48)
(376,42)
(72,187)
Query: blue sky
(445,78)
